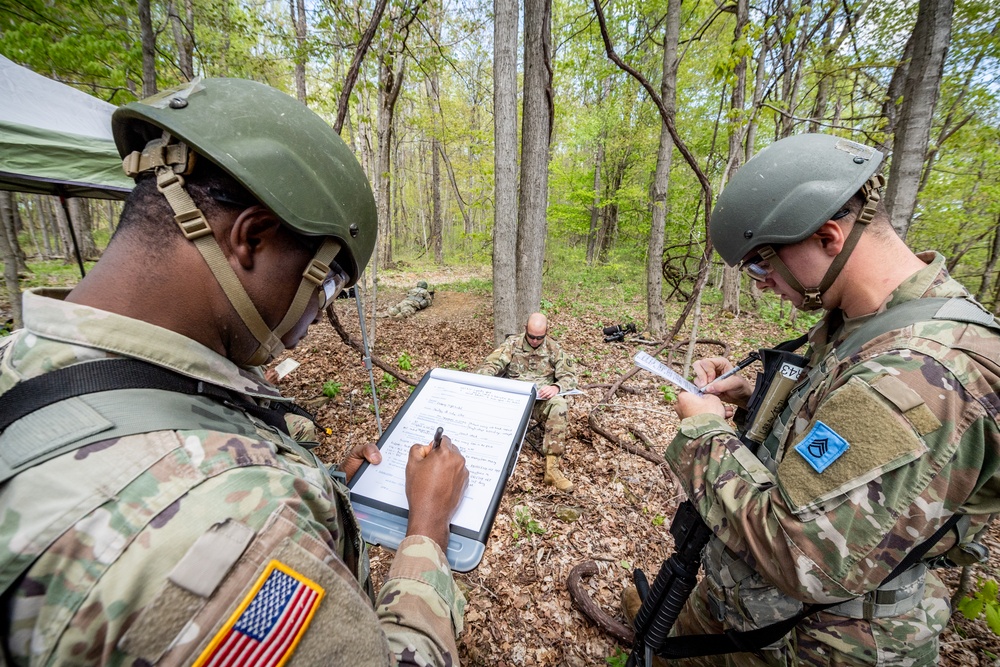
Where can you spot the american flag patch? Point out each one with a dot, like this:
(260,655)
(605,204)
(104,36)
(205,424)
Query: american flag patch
(268,624)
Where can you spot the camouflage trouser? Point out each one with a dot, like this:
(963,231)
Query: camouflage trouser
(404,308)
(552,413)
(827,639)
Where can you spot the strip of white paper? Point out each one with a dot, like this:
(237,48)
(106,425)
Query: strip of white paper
(286,367)
(651,364)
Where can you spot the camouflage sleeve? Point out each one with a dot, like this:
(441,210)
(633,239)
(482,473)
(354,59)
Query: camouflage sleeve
(919,448)
(565,370)
(420,607)
(499,359)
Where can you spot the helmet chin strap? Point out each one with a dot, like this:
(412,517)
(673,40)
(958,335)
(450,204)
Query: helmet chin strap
(812,297)
(169,161)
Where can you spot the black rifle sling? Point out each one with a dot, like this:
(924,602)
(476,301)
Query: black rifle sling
(126,373)
(752,640)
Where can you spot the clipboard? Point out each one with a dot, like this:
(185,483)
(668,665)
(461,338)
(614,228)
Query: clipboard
(486,418)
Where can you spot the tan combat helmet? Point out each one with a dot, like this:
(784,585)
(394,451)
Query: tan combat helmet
(786,192)
(281,152)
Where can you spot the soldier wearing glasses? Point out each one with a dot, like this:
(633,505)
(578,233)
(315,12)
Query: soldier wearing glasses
(157,507)
(534,356)
(886,436)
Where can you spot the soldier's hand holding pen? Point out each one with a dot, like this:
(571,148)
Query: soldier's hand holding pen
(722,385)
(734,389)
(436,477)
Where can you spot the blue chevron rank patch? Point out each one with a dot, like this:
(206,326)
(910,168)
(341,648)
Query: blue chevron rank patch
(821,446)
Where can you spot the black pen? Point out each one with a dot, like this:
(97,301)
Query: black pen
(437,436)
(754,356)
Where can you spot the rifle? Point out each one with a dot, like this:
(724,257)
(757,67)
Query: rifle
(662,604)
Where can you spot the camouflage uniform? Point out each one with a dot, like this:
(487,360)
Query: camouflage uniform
(544,366)
(143,549)
(416,299)
(918,408)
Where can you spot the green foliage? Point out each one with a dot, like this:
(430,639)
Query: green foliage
(479,286)
(405,362)
(983,602)
(388,382)
(332,389)
(618,659)
(523,523)
(458,365)
(669,393)
(658,520)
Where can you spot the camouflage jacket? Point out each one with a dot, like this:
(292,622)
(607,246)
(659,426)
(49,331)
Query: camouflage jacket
(544,366)
(917,410)
(172,547)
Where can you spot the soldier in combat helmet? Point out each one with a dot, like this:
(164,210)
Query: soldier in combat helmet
(889,442)
(417,298)
(157,510)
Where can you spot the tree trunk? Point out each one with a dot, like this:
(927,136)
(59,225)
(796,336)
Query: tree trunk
(731,278)
(62,230)
(390,83)
(595,210)
(28,220)
(43,226)
(148,49)
(352,71)
(183,30)
(505,322)
(431,86)
(436,223)
(931,36)
(8,255)
(12,225)
(84,228)
(298,9)
(984,286)
(535,135)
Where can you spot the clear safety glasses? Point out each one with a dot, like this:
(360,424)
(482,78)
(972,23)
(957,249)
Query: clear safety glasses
(757,268)
(332,285)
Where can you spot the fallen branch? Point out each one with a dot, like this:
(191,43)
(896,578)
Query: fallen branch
(596,427)
(584,603)
(331,314)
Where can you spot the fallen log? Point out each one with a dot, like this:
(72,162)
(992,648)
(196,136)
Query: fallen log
(585,604)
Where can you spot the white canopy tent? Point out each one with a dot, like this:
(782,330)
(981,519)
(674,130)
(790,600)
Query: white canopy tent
(56,140)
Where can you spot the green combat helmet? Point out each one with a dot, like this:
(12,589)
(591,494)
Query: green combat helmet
(786,192)
(281,152)
(422,284)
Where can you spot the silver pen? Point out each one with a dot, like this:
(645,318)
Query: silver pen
(753,356)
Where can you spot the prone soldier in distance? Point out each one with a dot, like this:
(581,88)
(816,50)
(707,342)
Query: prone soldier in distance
(417,298)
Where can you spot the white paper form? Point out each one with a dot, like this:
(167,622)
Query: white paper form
(653,365)
(481,421)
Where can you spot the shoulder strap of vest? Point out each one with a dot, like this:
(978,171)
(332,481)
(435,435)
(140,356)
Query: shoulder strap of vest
(954,309)
(125,373)
(72,407)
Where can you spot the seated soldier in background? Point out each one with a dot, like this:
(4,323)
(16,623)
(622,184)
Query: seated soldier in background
(416,299)
(534,357)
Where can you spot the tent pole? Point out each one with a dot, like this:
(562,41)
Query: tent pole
(367,356)
(72,232)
